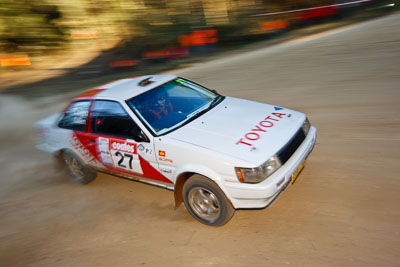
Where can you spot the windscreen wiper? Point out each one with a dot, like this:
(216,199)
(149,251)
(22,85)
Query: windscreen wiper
(201,112)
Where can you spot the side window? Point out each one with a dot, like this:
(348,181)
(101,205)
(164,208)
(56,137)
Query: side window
(75,118)
(110,118)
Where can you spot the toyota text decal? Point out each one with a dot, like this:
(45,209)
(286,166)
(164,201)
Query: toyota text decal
(261,128)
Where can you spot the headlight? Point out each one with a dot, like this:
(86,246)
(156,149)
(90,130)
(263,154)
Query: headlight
(260,173)
(306,126)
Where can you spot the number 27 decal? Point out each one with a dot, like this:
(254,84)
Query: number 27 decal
(122,157)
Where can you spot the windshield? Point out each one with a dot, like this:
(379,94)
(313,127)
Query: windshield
(173,104)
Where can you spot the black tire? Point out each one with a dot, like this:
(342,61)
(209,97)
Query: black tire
(79,171)
(206,202)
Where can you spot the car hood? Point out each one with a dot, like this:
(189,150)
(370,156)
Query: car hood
(247,130)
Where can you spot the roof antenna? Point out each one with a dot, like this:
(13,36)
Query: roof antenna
(145,82)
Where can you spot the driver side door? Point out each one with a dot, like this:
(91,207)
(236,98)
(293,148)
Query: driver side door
(121,146)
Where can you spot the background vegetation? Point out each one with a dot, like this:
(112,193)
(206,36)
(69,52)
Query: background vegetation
(43,26)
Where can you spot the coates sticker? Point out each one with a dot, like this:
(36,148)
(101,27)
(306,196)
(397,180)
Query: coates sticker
(124,146)
(120,154)
(259,129)
(161,153)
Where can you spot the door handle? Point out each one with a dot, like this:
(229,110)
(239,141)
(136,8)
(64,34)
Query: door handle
(92,140)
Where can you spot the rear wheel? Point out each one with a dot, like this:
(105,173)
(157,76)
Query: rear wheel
(206,202)
(79,171)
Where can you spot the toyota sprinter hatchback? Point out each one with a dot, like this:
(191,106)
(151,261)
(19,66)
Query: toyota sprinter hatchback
(216,153)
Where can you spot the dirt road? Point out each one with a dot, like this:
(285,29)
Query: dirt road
(342,211)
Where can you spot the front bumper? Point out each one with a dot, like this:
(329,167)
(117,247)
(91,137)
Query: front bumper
(262,194)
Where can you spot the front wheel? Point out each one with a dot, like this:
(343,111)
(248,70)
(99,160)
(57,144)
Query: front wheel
(79,171)
(206,202)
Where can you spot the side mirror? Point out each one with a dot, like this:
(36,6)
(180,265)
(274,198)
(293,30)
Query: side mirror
(140,137)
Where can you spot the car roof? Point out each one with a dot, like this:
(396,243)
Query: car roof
(127,88)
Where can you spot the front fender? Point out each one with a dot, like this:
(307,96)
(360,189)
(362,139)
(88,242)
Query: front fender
(199,169)
(185,172)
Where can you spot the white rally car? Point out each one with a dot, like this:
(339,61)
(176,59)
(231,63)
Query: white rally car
(216,153)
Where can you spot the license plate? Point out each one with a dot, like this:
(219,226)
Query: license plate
(299,169)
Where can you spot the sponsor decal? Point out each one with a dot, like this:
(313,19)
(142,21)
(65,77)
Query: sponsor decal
(105,154)
(140,147)
(124,155)
(144,150)
(79,114)
(161,153)
(148,151)
(164,159)
(278,108)
(78,146)
(261,128)
(124,146)
(169,171)
(121,154)
(121,161)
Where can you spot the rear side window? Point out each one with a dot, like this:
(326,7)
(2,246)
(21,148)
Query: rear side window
(75,118)
(110,118)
